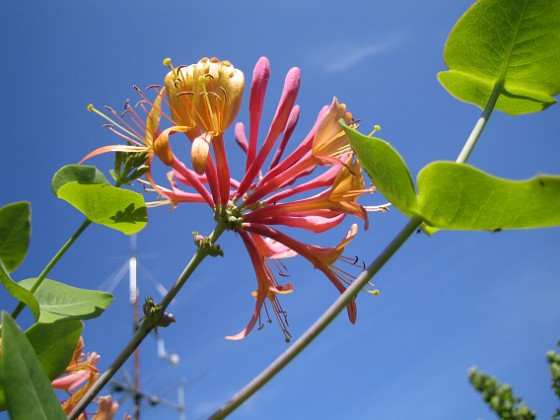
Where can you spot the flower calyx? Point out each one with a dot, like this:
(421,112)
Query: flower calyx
(129,166)
(156,314)
(231,216)
(204,243)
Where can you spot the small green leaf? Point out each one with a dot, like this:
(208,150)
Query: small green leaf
(54,344)
(82,174)
(28,391)
(458,196)
(513,44)
(386,168)
(86,188)
(15,231)
(20,293)
(60,301)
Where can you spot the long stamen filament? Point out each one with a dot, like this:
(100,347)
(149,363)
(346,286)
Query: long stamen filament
(91,108)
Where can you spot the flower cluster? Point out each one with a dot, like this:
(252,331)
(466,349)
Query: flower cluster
(313,185)
(82,370)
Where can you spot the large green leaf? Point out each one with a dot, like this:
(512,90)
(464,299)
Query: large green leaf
(86,188)
(386,168)
(54,344)
(83,174)
(458,196)
(20,293)
(15,230)
(60,301)
(514,44)
(28,391)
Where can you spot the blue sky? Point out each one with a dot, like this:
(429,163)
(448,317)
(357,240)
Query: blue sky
(447,302)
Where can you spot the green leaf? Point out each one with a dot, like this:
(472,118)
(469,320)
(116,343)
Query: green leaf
(386,168)
(28,391)
(514,44)
(54,344)
(82,174)
(60,301)
(458,196)
(20,293)
(15,230)
(86,188)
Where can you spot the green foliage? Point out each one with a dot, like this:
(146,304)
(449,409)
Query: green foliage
(129,166)
(386,167)
(511,45)
(54,344)
(27,388)
(20,293)
(59,301)
(15,231)
(499,398)
(86,188)
(458,196)
(82,174)
(553,360)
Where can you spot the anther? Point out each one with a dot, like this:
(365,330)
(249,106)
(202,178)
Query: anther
(376,128)
(167,62)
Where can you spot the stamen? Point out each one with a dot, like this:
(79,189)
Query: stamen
(376,128)
(382,208)
(167,62)
(282,318)
(91,108)
(206,95)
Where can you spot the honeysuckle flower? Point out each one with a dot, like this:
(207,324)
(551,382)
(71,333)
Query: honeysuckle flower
(260,200)
(207,95)
(313,187)
(141,136)
(107,409)
(82,368)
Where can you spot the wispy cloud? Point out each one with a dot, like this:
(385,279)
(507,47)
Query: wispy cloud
(341,56)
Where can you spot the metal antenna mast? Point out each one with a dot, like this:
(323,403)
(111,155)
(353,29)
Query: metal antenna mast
(133,298)
(133,387)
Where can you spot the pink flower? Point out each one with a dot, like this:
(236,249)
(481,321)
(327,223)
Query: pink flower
(313,187)
(82,368)
(265,197)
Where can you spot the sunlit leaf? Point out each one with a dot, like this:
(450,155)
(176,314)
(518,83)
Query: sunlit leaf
(386,168)
(82,174)
(458,196)
(54,344)
(86,188)
(60,301)
(17,291)
(15,231)
(512,43)
(28,391)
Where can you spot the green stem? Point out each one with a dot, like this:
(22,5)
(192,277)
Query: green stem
(480,124)
(320,324)
(351,292)
(145,327)
(51,264)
